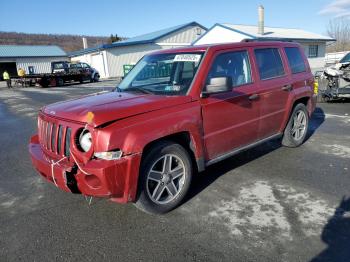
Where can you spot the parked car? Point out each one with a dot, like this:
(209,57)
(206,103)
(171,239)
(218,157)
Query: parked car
(175,113)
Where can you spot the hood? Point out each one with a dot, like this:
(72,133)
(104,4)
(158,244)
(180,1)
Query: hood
(111,106)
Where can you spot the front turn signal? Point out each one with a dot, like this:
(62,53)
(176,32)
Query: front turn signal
(110,155)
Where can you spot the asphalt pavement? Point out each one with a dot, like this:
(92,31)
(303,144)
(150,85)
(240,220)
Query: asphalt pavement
(270,203)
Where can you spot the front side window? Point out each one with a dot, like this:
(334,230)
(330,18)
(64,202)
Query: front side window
(59,66)
(75,66)
(269,63)
(313,51)
(234,65)
(295,60)
(162,74)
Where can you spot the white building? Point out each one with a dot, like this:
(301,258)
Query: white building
(33,59)
(111,59)
(313,44)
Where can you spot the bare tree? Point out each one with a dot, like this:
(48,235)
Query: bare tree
(339,28)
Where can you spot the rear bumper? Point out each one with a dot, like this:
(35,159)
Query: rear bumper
(99,178)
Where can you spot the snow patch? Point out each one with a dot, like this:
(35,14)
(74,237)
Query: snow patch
(338,150)
(262,207)
(255,210)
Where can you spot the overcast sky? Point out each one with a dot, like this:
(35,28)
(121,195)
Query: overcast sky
(133,17)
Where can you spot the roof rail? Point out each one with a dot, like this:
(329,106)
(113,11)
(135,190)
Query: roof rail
(266,39)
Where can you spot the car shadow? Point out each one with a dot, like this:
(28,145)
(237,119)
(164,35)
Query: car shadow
(317,119)
(336,234)
(204,179)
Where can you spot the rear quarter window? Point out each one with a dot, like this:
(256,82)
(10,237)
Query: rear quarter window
(295,60)
(269,63)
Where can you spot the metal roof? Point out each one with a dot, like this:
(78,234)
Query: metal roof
(141,39)
(151,37)
(271,33)
(30,51)
(86,51)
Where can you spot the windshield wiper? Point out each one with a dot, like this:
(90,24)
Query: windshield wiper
(135,88)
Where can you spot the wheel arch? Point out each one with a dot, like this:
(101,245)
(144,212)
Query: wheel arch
(305,100)
(183,138)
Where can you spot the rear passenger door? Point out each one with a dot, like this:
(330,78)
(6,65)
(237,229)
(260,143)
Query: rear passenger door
(274,89)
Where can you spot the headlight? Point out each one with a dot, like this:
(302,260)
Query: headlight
(85,140)
(110,155)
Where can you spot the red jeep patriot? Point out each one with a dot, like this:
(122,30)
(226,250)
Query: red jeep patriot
(176,112)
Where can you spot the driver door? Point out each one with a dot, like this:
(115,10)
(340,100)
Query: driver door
(231,119)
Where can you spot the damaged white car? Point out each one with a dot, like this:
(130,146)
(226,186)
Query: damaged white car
(335,80)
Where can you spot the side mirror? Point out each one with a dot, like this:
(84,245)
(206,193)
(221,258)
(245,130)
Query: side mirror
(217,85)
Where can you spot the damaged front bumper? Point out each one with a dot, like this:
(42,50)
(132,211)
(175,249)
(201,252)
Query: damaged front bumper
(115,179)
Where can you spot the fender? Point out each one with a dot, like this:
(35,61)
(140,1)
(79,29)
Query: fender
(296,94)
(133,134)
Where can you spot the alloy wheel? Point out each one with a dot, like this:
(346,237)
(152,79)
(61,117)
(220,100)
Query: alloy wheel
(165,179)
(299,125)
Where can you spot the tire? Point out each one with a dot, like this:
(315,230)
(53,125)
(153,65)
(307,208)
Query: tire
(59,82)
(295,133)
(162,189)
(96,77)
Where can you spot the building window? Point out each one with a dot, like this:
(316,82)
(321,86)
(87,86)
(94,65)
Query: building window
(198,31)
(31,70)
(313,51)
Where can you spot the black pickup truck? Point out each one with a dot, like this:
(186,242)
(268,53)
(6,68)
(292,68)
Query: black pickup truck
(63,72)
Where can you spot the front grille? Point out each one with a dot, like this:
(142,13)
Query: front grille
(55,138)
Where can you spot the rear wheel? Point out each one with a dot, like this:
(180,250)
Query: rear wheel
(165,178)
(296,129)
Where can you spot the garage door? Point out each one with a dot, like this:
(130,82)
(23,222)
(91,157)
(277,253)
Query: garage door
(10,67)
(97,63)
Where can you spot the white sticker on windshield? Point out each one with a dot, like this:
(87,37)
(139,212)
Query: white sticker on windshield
(187,58)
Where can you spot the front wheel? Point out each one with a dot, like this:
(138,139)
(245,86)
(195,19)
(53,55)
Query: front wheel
(296,129)
(165,178)
(59,82)
(96,78)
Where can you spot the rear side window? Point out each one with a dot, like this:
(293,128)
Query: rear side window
(295,60)
(234,65)
(269,63)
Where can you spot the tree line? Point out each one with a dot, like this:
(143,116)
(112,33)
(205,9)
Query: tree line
(339,28)
(68,43)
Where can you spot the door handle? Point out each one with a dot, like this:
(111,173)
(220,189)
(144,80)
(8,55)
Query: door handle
(287,88)
(253,97)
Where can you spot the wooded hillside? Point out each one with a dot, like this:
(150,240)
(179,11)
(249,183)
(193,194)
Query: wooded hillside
(68,43)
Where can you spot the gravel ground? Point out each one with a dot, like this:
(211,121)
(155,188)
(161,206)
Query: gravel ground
(267,204)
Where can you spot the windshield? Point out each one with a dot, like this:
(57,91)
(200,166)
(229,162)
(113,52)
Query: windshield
(162,74)
(345,59)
